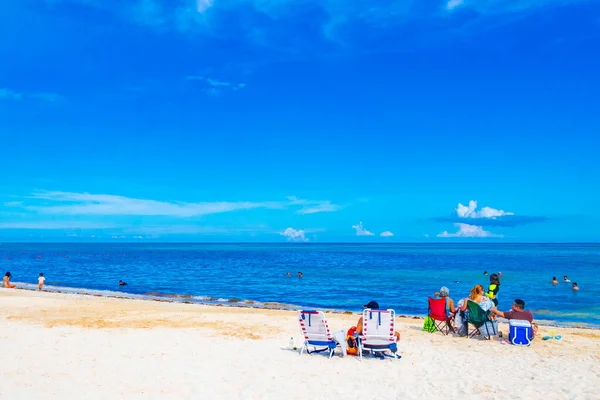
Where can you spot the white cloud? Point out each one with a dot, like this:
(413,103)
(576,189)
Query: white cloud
(361,231)
(452,4)
(470,211)
(386,234)
(468,231)
(294,235)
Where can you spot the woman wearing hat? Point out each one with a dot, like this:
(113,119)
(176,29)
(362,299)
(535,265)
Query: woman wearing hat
(373,305)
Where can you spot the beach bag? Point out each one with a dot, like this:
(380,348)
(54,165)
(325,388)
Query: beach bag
(429,325)
(489,328)
(352,346)
(462,327)
(520,332)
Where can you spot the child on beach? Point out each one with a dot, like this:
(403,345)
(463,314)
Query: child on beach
(41,281)
(493,289)
(6,281)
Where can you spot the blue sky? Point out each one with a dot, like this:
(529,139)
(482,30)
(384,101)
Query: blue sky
(304,120)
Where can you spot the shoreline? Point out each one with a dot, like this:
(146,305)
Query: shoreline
(235,303)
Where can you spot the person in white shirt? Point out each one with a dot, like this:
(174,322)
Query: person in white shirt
(41,281)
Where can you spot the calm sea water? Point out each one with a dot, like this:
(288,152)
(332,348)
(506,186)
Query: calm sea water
(336,276)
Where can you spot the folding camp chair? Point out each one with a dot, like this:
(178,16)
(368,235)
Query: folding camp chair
(477,317)
(316,332)
(378,333)
(437,312)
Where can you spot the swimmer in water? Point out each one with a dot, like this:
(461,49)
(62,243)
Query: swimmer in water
(499,274)
(554,281)
(299,274)
(121,283)
(485,272)
(566,279)
(288,274)
(575,287)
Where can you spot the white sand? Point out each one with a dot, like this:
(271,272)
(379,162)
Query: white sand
(82,347)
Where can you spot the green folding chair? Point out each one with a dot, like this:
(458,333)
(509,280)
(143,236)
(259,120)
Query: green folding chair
(477,317)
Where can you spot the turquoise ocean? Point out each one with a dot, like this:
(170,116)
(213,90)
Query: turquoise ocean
(335,276)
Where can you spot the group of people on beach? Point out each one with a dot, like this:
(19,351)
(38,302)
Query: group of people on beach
(6,283)
(566,279)
(488,301)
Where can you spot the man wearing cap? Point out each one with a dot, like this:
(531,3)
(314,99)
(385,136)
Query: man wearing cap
(373,305)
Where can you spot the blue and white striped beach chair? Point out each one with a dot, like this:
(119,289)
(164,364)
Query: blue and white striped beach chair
(315,332)
(378,333)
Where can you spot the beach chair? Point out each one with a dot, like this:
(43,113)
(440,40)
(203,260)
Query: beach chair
(378,333)
(477,317)
(438,313)
(315,332)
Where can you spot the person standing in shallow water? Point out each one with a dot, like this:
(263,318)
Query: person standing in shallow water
(299,274)
(41,281)
(554,281)
(575,287)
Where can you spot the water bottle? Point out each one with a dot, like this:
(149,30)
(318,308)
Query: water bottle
(292,343)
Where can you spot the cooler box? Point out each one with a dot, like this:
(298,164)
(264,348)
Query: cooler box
(520,332)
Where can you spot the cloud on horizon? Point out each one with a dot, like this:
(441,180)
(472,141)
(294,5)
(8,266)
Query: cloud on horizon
(294,235)
(386,234)
(361,231)
(468,231)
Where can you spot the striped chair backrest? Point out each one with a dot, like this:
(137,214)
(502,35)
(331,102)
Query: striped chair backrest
(314,325)
(378,326)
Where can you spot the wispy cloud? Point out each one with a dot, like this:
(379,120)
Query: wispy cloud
(215,87)
(313,206)
(294,235)
(361,231)
(8,94)
(55,225)
(467,231)
(270,23)
(452,4)
(71,203)
(106,204)
(386,234)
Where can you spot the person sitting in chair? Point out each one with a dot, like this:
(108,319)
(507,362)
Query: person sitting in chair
(374,306)
(444,293)
(517,312)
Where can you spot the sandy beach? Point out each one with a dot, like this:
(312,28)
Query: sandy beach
(74,346)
